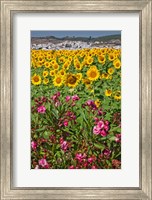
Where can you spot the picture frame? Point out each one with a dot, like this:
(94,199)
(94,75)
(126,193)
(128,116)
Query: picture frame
(8,9)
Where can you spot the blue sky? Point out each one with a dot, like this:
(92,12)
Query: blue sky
(61,34)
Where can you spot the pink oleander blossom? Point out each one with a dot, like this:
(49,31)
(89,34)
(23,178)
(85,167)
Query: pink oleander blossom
(103,133)
(71,167)
(91,159)
(64,145)
(33,145)
(100,124)
(67,98)
(80,156)
(43,163)
(107,122)
(93,167)
(65,123)
(96,130)
(106,127)
(107,152)
(41,109)
(118,138)
(75,97)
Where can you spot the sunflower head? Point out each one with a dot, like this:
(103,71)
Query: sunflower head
(58,81)
(111,71)
(89,60)
(45,73)
(97,103)
(36,79)
(45,81)
(72,80)
(77,65)
(66,65)
(79,76)
(47,64)
(93,73)
(111,56)
(117,63)
(52,73)
(101,59)
(117,95)
(108,93)
(55,66)
(86,81)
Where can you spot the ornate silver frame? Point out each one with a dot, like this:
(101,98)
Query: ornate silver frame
(143,7)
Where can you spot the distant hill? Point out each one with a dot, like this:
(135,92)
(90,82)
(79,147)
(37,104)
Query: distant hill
(84,39)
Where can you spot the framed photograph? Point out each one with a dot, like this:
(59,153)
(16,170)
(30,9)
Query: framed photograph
(76,99)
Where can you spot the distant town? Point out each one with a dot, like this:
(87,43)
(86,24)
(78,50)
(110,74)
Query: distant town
(54,43)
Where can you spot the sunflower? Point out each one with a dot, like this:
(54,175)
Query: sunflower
(117,63)
(79,76)
(108,93)
(41,59)
(89,60)
(66,65)
(93,73)
(86,81)
(53,62)
(72,80)
(58,81)
(47,64)
(111,71)
(45,73)
(45,81)
(77,65)
(111,56)
(101,59)
(117,95)
(52,73)
(62,59)
(36,79)
(55,66)
(97,103)
(62,72)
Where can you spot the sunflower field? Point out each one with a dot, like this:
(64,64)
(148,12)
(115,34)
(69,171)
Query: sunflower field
(76,109)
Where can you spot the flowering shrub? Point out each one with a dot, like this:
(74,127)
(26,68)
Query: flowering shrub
(76,109)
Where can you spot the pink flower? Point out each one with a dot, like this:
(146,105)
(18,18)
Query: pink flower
(103,133)
(33,145)
(75,97)
(71,167)
(57,103)
(90,102)
(41,109)
(118,138)
(64,145)
(91,159)
(100,124)
(36,167)
(107,152)
(61,140)
(55,96)
(67,98)
(80,157)
(106,127)
(107,122)
(58,94)
(93,167)
(100,112)
(96,130)
(65,123)
(43,162)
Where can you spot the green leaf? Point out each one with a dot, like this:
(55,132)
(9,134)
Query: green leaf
(41,129)
(99,146)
